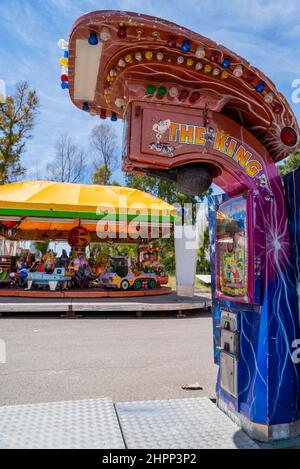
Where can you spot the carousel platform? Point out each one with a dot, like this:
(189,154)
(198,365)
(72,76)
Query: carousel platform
(82,293)
(74,305)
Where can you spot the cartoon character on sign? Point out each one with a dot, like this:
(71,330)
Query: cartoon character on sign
(263,184)
(160,128)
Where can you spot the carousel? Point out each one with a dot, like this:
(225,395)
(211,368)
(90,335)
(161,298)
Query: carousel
(79,215)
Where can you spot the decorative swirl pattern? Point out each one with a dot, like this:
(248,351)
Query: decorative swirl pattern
(268,377)
(145,52)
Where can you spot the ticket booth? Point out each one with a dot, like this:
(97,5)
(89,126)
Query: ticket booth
(194,113)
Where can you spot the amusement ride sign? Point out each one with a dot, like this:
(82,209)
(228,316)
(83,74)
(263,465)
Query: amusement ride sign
(170,135)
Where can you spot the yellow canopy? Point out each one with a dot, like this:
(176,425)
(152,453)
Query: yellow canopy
(40,209)
(64,196)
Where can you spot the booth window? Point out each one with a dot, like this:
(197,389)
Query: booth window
(231,248)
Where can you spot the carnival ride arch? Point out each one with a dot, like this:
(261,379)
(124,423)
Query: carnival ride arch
(196,112)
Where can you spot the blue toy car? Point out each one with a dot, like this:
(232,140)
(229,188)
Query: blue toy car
(56,278)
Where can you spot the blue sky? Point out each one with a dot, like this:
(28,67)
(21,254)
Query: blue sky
(265,32)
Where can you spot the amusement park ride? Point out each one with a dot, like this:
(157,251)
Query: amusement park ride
(195,113)
(120,274)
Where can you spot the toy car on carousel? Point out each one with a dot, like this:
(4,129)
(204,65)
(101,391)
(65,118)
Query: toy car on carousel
(38,277)
(119,274)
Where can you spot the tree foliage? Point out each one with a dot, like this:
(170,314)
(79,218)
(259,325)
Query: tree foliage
(164,189)
(17,117)
(167,191)
(203,262)
(291,163)
(100,176)
(42,246)
(69,163)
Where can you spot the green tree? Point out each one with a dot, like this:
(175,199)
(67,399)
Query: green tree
(42,246)
(102,176)
(161,188)
(203,264)
(101,251)
(17,117)
(291,163)
(167,191)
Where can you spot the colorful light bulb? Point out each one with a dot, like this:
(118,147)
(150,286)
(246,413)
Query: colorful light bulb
(185,46)
(159,56)
(93,38)
(62,44)
(215,72)
(114,117)
(103,114)
(195,96)
(260,87)
(64,77)
(63,61)
(207,68)
(269,97)
(224,75)
(172,41)
(189,62)
(173,92)
(238,71)
(129,59)
(180,59)
(198,66)
(161,91)
(122,31)
(200,52)
(250,77)
(148,55)
(183,95)
(65,85)
(288,136)
(138,56)
(121,63)
(226,62)
(215,56)
(150,89)
(105,34)
(85,107)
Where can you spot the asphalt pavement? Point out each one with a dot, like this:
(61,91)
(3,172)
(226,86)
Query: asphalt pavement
(105,355)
